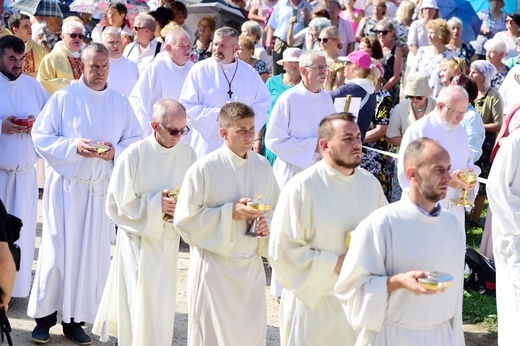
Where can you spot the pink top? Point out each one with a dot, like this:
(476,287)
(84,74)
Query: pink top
(344,15)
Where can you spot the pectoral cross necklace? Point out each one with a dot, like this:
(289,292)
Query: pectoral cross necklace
(227,79)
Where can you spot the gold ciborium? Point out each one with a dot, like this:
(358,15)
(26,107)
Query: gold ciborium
(263,208)
(348,236)
(469,178)
(172,194)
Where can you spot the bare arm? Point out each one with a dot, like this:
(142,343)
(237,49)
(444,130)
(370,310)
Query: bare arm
(397,69)
(269,40)
(8,272)
(360,29)
(394,140)
(376,133)
(290,32)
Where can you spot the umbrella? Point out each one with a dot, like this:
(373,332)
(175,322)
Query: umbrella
(44,8)
(223,13)
(463,10)
(100,6)
(511,6)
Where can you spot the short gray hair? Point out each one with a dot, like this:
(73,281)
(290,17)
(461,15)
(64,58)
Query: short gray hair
(452,93)
(319,23)
(162,106)
(111,30)
(71,25)
(386,23)
(147,20)
(306,58)
(254,28)
(454,21)
(172,36)
(495,44)
(226,31)
(94,47)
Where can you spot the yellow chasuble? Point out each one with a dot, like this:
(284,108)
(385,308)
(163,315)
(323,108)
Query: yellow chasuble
(4,31)
(59,69)
(34,53)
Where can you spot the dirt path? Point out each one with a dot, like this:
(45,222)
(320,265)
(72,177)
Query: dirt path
(23,325)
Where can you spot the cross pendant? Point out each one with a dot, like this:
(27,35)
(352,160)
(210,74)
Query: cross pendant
(230,93)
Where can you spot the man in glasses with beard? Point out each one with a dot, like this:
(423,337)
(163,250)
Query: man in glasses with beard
(310,234)
(395,248)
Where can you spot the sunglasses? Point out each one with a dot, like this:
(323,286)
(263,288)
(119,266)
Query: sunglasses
(73,36)
(175,132)
(418,98)
(324,40)
(382,32)
(137,28)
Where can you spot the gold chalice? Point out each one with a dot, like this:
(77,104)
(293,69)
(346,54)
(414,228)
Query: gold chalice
(263,208)
(101,148)
(436,281)
(348,236)
(172,194)
(469,178)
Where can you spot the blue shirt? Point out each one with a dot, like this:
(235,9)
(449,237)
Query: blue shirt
(282,13)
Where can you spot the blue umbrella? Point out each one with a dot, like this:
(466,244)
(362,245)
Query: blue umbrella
(463,10)
(511,6)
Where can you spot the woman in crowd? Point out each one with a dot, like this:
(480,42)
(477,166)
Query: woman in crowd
(496,50)
(418,34)
(451,68)
(344,28)
(276,86)
(367,25)
(363,76)
(115,15)
(202,48)
(258,10)
(308,37)
(428,58)
(516,60)
(493,20)
(246,48)
(254,31)
(330,44)
(392,58)
(510,35)
(352,14)
(462,49)
(490,107)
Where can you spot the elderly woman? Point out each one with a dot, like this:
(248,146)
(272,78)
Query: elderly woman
(418,34)
(245,51)
(254,31)
(276,86)
(392,57)
(202,47)
(330,44)
(307,37)
(427,61)
(115,15)
(496,50)
(516,60)
(451,68)
(490,107)
(462,49)
(510,35)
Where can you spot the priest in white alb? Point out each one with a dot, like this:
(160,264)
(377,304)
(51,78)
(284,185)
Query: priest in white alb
(138,304)
(503,191)
(79,133)
(443,125)
(123,73)
(311,226)
(20,97)
(163,78)
(217,80)
(400,244)
(226,280)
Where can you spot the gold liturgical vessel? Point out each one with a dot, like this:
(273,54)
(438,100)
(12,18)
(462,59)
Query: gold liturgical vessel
(263,208)
(469,178)
(172,194)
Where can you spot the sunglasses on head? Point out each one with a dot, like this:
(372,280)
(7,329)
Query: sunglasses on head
(324,40)
(418,98)
(73,36)
(175,132)
(382,32)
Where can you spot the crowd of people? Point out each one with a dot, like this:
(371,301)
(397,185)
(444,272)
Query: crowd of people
(152,131)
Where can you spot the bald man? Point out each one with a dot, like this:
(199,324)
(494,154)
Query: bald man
(443,125)
(394,247)
(138,305)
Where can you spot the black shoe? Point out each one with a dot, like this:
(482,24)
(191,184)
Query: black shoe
(40,335)
(74,332)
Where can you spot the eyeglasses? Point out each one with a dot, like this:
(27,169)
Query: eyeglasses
(418,98)
(73,36)
(461,114)
(324,40)
(137,28)
(508,21)
(175,132)
(318,67)
(382,32)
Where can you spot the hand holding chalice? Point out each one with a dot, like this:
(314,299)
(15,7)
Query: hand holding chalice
(468,178)
(171,194)
(261,207)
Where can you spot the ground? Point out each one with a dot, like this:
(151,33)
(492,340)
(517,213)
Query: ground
(22,325)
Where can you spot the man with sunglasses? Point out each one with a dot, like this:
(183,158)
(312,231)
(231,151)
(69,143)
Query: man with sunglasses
(138,303)
(443,125)
(145,47)
(79,133)
(63,65)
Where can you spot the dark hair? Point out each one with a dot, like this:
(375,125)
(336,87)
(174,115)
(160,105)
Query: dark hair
(162,15)
(232,112)
(119,6)
(180,7)
(374,44)
(515,17)
(320,13)
(13,42)
(468,84)
(326,130)
(15,19)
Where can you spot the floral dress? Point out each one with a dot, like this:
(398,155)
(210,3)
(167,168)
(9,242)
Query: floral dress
(260,66)
(498,79)
(381,166)
(465,52)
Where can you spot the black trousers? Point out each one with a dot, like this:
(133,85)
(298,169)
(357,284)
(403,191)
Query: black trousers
(49,321)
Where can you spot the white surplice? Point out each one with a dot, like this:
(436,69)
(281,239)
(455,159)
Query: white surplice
(455,141)
(205,91)
(162,79)
(226,281)
(133,53)
(392,240)
(138,304)
(18,185)
(74,256)
(503,191)
(315,211)
(122,75)
(292,132)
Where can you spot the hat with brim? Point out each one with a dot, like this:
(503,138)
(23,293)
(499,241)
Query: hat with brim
(429,4)
(417,85)
(290,55)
